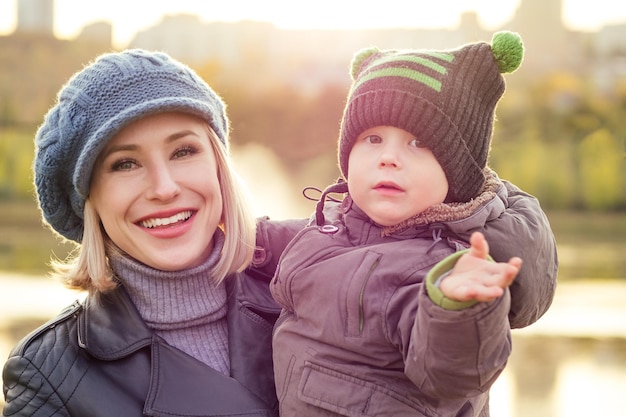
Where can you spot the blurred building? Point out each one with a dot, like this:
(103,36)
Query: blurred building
(548,43)
(191,40)
(305,59)
(35,64)
(97,32)
(294,55)
(35,17)
(609,54)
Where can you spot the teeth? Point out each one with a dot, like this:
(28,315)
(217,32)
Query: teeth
(150,223)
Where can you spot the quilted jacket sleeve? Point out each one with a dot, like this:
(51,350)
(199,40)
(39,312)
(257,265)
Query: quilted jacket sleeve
(524,230)
(27,391)
(454,354)
(35,374)
(272,236)
(465,352)
(448,353)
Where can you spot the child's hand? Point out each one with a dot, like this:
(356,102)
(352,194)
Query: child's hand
(474,278)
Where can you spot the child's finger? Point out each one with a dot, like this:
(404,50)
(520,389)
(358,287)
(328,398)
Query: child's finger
(516,262)
(479,247)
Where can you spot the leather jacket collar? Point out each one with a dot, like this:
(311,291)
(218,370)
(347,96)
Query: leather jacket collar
(112,329)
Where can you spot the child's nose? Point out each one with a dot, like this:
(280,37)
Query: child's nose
(390,157)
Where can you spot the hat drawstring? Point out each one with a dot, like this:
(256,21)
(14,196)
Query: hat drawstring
(436,237)
(340,187)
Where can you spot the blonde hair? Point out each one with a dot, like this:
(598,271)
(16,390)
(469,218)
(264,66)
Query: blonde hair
(87,267)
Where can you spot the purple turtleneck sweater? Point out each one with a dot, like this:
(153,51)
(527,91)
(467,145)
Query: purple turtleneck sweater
(186,308)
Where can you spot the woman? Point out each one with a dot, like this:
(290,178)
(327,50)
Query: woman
(132,164)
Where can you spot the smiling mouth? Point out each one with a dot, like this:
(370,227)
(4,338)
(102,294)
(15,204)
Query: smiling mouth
(166,221)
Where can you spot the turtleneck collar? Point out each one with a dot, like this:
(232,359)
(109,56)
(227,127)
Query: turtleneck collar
(169,300)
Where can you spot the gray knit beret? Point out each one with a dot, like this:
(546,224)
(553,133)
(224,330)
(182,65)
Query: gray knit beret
(96,103)
(447,99)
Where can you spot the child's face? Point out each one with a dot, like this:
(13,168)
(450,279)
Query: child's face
(392,177)
(156,190)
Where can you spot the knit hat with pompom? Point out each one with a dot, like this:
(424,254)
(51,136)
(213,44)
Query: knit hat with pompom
(446,99)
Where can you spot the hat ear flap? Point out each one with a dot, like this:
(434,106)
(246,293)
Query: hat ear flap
(359,58)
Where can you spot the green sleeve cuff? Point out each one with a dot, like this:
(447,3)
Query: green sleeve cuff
(435,294)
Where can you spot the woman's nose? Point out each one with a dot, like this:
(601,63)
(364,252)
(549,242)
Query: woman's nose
(163,184)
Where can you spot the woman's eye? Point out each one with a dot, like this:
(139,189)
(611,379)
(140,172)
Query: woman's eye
(417,143)
(373,139)
(184,151)
(123,165)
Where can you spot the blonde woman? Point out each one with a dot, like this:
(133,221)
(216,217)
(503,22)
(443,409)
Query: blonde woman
(132,164)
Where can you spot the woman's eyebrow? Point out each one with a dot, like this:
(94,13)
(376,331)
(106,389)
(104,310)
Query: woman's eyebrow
(177,135)
(132,147)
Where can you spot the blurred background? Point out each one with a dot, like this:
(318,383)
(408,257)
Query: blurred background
(282,68)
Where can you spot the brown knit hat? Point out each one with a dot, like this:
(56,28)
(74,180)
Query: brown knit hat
(447,99)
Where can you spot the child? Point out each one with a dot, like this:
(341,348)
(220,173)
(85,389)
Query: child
(372,324)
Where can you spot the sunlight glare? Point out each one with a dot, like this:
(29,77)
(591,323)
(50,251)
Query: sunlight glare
(128,17)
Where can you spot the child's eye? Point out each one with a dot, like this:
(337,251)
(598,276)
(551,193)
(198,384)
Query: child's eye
(373,139)
(123,165)
(417,143)
(184,151)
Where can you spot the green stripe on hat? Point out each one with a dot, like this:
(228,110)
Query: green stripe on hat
(400,72)
(417,60)
(444,56)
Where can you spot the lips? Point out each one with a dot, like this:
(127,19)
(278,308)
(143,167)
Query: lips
(387,185)
(154,222)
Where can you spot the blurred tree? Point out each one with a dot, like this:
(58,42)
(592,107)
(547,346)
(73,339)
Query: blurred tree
(560,137)
(602,174)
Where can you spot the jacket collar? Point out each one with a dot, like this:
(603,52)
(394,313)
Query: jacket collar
(252,313)
(457,218)
(453,220)
(111,329)
(460,216)
(180,387)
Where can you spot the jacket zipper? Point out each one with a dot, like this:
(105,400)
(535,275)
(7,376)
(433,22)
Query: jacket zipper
(361,310)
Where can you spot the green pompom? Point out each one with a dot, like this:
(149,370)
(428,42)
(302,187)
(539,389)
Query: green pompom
(358,58)
(508,50)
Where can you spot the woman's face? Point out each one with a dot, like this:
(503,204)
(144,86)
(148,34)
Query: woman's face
(156,190)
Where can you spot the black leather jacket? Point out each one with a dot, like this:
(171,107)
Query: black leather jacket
(98,358)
